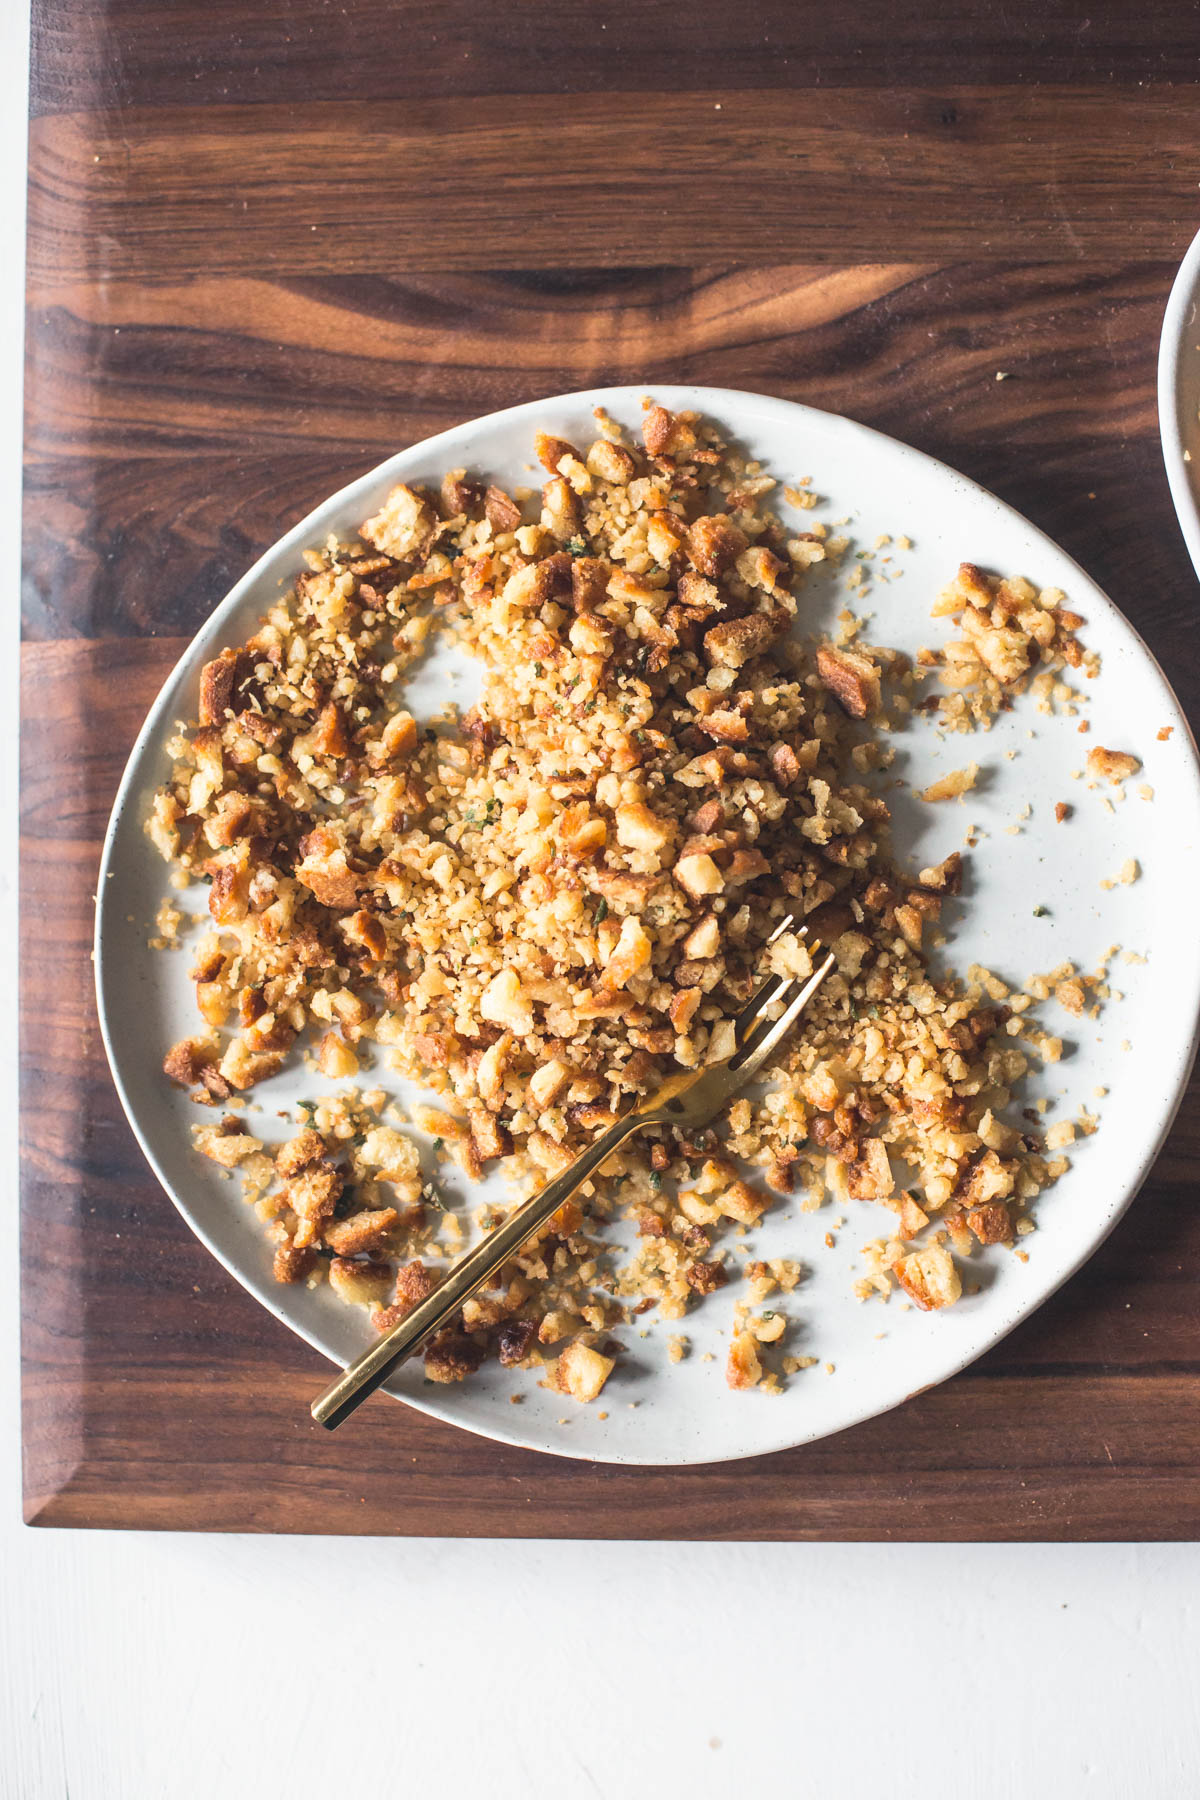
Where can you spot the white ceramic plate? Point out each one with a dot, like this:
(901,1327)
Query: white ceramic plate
(1140,1051)
(1179,396)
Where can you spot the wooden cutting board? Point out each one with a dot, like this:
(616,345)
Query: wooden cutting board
(270,246)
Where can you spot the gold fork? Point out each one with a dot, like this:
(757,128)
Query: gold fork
(688,1100)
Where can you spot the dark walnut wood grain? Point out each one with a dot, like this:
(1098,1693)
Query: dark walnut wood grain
(872,210)
(532,180)
(130,53)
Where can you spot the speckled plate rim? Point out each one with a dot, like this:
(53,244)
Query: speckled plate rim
(727,404)
(1178,424)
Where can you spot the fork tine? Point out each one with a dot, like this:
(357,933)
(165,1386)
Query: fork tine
(749,1059)
(785,924)
(772,988)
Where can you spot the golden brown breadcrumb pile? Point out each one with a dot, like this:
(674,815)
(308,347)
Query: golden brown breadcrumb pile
(1014,639)
(540,907)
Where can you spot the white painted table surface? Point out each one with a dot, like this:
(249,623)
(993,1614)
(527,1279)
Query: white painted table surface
(135,1665)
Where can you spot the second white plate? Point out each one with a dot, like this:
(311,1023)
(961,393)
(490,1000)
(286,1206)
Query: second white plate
(1179,397)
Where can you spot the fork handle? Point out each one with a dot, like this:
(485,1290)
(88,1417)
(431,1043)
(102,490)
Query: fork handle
(464,1278)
